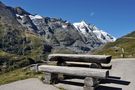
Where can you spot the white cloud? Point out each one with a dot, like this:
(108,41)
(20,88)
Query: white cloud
(92,14)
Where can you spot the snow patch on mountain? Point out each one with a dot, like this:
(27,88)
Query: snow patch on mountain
(82,27)
(85,28)
(19,16)
(32,17)
(35,17)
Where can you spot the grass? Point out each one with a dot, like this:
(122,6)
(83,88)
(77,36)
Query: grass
(61,88)
(2,53)
(115,48)
(37,45)
(21,74)
(18,74)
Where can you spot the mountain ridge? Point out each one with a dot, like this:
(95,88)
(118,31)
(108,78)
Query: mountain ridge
(121,48)
(27,39)
(35,22)
(100,34)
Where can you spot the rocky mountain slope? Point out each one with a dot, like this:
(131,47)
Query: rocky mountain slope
(77,37)
(93,31)
(27,38)
(18,46)
(122,47)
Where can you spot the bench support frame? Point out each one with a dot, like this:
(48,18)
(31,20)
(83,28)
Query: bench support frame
(51,78)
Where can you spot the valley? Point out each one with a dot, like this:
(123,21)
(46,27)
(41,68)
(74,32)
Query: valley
(27,39)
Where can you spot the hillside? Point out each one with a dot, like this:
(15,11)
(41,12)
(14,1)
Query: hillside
(27,39)
(18,46)
(122,47)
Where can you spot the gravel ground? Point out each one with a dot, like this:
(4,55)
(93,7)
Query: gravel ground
(28,84)
(123,68)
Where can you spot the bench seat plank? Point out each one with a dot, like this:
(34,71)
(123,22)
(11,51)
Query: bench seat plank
(103,66)
(75,71)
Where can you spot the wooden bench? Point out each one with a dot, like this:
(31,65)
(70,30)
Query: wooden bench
(96,61)
(53,71)
(66,66)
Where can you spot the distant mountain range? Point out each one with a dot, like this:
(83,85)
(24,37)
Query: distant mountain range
(26,38)
(78,37)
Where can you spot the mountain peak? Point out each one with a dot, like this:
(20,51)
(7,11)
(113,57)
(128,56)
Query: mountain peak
(83,22)
(86,29)
(78,37)
(21,11)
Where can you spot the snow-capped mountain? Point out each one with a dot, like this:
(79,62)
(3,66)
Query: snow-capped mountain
(85,28)
(55,32)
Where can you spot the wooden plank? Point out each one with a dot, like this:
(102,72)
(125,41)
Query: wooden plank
(84,64)
(75,71)
(80,58)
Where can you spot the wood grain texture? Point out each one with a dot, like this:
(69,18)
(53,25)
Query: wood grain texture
(80,58)
(75,71)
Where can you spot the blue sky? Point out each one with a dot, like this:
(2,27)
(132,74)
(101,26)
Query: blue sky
(116,17)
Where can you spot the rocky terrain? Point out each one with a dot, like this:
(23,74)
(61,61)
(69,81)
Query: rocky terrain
(77,37)
(26,38)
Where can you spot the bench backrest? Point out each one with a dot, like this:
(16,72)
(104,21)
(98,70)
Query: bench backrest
(80,58)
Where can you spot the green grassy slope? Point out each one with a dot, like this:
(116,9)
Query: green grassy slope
(19,48)
(127,43)
(18,74)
